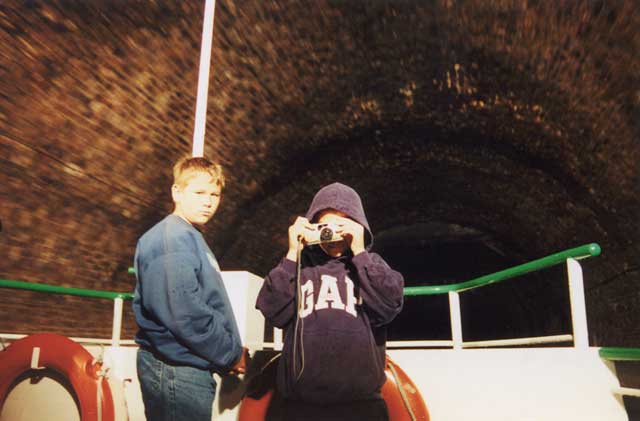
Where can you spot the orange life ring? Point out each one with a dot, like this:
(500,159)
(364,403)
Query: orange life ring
(66,357)
(401,395)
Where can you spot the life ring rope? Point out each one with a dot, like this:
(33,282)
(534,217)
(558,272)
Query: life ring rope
(403,393)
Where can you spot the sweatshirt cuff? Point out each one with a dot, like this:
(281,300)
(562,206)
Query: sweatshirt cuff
(289,266)
(362,259)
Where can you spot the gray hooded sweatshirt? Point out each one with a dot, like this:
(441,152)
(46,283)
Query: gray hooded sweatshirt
(334,349)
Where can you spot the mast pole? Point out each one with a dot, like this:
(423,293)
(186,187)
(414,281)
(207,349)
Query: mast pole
(203,79)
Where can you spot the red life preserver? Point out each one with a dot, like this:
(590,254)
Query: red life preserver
(403,399)
(402,396)
(66,357)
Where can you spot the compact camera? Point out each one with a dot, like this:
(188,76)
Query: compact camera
(322,233)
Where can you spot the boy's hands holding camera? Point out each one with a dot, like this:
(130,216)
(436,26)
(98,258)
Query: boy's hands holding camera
(353,233)
(296,234)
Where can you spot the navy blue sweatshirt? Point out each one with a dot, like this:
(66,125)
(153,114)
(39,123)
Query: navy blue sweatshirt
(338,352)
(180,303)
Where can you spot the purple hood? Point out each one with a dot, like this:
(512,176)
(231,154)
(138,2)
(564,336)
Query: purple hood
(342,198)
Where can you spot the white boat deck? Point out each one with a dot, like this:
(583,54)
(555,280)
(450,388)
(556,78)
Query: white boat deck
(520,384)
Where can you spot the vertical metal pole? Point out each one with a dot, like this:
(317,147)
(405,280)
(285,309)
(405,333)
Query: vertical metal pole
(578,307)
(203,79)
(456,319)
(277,339)
(117,322)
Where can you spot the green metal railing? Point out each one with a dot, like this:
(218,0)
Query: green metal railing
(620,354)
(587,250)
(117,297)
(53,289)
(566,256)
(581,252)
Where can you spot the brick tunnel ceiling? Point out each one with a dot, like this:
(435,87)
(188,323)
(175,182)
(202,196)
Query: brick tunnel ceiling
(479,135)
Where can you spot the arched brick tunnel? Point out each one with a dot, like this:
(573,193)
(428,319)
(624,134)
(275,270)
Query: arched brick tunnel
(480,135)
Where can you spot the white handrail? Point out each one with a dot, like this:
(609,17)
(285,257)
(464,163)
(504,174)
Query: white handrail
(519,341)
(420,344)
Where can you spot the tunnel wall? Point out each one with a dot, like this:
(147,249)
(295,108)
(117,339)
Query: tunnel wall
(516,119)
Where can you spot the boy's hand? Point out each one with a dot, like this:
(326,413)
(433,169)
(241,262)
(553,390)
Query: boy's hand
(353,233)
(296,233)
(241,366)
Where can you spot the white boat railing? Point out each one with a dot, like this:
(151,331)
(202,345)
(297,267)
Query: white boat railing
(579,336)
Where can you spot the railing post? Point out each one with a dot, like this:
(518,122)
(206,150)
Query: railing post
(456,319)
(578,307)
(277,339)
(117,322)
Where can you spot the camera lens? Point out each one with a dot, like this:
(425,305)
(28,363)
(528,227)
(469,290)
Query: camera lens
(326,234)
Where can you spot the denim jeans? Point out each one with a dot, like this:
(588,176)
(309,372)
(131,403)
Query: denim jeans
(174,393)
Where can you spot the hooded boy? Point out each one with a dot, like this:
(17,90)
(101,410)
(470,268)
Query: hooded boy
(345,295)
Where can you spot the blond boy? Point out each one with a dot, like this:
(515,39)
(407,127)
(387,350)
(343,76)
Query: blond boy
(187,330)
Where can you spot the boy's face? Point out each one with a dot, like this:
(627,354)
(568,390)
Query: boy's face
(335,248)
(196,201)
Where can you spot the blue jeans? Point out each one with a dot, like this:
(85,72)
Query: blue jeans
(174,393)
